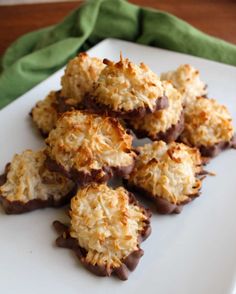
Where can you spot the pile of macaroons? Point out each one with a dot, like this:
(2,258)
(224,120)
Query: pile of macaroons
(89,127)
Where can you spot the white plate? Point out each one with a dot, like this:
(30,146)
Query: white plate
(190,253)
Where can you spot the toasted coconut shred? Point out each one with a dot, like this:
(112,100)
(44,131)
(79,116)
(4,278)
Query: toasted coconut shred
(45,114)
(80,74)
(106,224)
(124,86)
(161,120)
(167,171)
(207,123)
(86,142)
(27,179)
(187,81)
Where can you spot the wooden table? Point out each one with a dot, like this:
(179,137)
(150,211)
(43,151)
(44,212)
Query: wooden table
(215,17)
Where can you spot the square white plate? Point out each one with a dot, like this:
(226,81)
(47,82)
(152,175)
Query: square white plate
(190,253)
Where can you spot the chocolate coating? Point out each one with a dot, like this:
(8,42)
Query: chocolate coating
(162,205)
(168,136)
(92,105)
(62,106)
(94,175)
(18,207)
(214,150)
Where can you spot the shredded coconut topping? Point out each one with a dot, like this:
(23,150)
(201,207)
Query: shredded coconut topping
(44,114)
(187,81)
(124,86)
(167,171)
(106,224)
(161,120)
(88,142)
(207,123)
(80,74)
(28,179)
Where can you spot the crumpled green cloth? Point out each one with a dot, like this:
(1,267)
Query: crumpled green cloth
(36,55)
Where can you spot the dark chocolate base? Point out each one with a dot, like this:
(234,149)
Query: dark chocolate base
(91,104)
(3,177)
(63,106)
(98,176)
(162,205)
(128,264)
(212,151)
(168,136)
(43,134)
(18,207)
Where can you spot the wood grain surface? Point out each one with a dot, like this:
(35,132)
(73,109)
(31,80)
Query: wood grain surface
(215,17)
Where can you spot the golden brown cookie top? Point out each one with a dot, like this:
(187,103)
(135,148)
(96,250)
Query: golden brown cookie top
(161,120)
(80,74)
(207,123)
(45,114)
(125,87)
(167,171)
(28,179)
(85,142)
(187,81)
(106,224)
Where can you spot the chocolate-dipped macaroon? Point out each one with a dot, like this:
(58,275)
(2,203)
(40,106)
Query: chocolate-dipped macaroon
(124,89)
(186,79)
(27,185)
(106,228)
(208,126)
(89,148)
(45,113)
(80,74)
(168,174)
(166,124)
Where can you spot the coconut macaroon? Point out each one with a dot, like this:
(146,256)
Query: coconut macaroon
(168,174)
(106,228)
(166,124)
(28,185)
(208,126)
(187,81)
(45,113)
(124,89)
(80,74)
(87,147)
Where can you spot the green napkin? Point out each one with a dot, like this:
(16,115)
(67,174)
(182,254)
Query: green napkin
(35,56)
